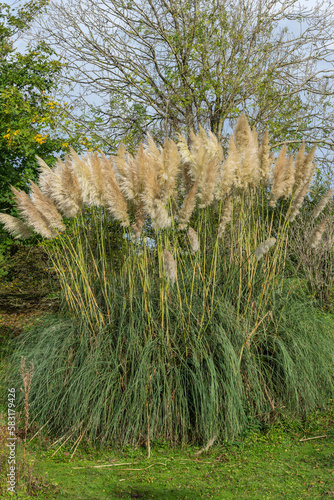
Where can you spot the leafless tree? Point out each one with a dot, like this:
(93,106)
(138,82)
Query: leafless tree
(168,65)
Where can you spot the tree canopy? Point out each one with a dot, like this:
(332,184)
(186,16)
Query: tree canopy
(170,65)
(26,107)
(32,122)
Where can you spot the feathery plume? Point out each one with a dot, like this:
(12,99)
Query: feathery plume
(81,168)
(138,225)
(166,165)
(188,206)
(309,166)
(226,216)
(150,197)
(215,146)
(255,136)
(47,208)
(279,173)
(15,226)
(299,164)
(304,166)
(61,185)
(45,176)
(298,201)
(212,160)
(265,160)
(120,160)
(32,216)
(160,217)
(317,233)
(172,162)
(203,163)
(208,183)
(186,156)
(154,172)
(264,247)
(138,170)
(193,238)
(242,133)
(289,179)
(170,267)
(227,177)
(249,173)
(322,204)
(96,180)
(112,196)
(68,193)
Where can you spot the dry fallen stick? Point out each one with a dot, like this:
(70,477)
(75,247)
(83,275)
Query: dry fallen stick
(68,437)
(99,466)
(315,437)
(195,460)
(114,465)
(39,430)
(158,463)
(210,443)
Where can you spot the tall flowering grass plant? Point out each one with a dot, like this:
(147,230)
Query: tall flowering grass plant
(189,327)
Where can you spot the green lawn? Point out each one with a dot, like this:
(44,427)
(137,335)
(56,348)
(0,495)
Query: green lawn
(268,465)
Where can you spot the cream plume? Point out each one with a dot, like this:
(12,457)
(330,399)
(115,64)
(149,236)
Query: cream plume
(187,208)
(82,180)
(304,166)
(150,197)
(61,185)
(138,225)
(186,156)
(96,180)
(227,177)
(170,267)
(249,170)
(226,216)
(166,164)
(265,159)
(298,201)
(322,204)
(264,247)
(299,166)
(304,171)
(317,233)
(289,179)
(160,217)
(112,197)
(15,226)
(136,171)
(120,160)
(309,166)
(193,238)
(279,174)
(213,158)
(203,162)
(32,216)
(47,208)
(45,176)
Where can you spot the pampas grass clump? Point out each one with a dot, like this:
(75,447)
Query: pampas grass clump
(187,337)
